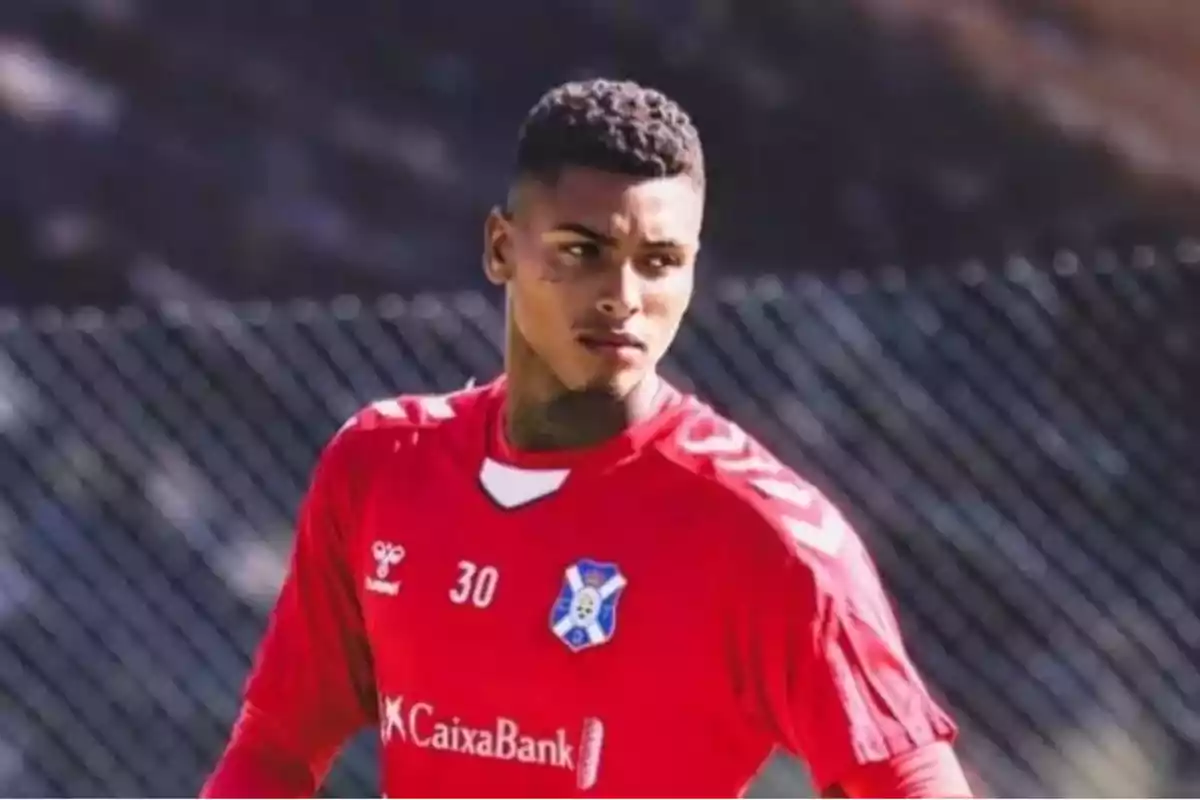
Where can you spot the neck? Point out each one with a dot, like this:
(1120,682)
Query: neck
(567,420)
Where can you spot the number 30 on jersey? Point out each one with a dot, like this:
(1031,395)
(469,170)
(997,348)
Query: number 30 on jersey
(476,585)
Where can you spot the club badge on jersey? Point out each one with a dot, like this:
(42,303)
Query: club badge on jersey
(585,612)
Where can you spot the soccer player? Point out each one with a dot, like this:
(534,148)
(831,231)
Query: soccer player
(576,580)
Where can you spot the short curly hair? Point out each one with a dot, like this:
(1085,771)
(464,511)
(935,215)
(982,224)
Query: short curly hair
(615,126)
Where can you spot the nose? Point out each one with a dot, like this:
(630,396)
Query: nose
(621,296)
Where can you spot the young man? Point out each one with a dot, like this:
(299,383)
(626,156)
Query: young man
(576,580)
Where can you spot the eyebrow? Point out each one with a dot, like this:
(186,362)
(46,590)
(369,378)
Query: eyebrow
(585,232)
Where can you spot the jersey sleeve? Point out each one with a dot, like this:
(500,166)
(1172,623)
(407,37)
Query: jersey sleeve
(830,675)
(312,682)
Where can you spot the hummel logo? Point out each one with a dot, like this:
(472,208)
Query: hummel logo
(386,555)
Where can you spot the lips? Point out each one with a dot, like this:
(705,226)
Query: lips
(614,340)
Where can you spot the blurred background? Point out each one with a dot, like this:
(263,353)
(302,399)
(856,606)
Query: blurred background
(949,274)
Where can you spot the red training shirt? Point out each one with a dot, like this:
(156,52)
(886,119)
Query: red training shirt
(651,616)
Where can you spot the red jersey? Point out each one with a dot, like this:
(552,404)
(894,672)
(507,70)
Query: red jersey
(651,616)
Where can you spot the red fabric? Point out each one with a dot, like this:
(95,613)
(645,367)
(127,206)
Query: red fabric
(930,771)
(836,685)
(736,611)
(256,764)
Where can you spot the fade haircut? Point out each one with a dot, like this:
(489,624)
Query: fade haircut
(614,126)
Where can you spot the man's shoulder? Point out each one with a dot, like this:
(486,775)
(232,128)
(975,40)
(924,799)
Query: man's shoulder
(414,411)
(392,424)
(746,486)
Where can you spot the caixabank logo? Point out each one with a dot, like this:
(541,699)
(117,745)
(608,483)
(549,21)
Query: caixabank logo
(419,724)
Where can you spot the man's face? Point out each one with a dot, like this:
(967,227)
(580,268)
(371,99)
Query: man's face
(599,268)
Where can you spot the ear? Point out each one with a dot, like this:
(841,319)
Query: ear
(498,262)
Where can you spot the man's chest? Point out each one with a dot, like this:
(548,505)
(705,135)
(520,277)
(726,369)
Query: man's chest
(587,626)
(569,594)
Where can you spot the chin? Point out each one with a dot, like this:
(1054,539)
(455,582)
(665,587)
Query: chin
(615,384)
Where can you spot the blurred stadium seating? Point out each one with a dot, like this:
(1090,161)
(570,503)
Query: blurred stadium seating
(270,149)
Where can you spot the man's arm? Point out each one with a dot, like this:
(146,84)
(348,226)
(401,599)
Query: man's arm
(312,684)
(832,679)
(929,771)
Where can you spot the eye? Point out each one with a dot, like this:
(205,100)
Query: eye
(658,262)
(579,251)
